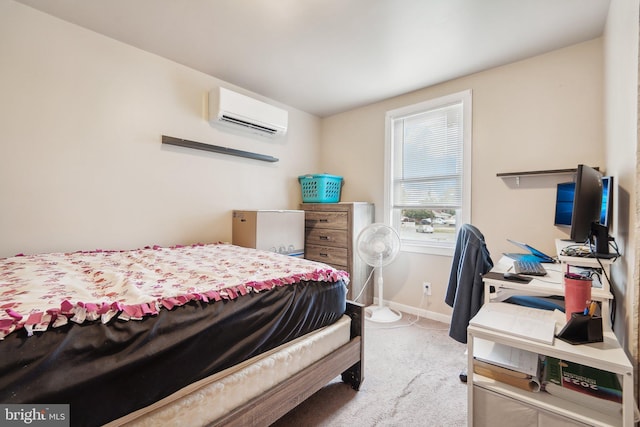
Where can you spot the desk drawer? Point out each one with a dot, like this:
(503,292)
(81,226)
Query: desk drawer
(339,220)
(326,236)
(326,254)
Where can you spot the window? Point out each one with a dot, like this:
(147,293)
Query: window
(428,172)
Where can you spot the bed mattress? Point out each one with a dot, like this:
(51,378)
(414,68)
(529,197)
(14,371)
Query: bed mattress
(107,370)
(234,386)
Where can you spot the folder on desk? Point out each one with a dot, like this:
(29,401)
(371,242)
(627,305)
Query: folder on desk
(522,322)
(500,276)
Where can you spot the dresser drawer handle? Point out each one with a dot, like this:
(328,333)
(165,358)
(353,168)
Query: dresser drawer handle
(323,220)
(323,254)
(324,237)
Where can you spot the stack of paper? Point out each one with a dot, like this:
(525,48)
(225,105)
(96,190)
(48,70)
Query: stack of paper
(523,322)
(513,366)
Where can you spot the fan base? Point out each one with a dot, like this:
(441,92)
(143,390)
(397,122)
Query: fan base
(382,314)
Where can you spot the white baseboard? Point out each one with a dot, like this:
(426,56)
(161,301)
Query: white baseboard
(418,311)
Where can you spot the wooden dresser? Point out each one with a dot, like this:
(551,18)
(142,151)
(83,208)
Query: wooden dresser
(331,230)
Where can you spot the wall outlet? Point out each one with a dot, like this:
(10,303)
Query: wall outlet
(426,288)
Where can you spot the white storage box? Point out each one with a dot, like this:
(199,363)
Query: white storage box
(280,231)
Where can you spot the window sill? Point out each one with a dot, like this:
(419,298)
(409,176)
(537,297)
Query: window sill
(423,249)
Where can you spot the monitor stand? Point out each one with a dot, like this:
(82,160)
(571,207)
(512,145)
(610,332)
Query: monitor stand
(600,238)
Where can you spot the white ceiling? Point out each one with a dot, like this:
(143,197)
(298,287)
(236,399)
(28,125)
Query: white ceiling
(328,56)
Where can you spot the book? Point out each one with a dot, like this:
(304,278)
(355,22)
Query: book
(523,322)
(500,369)
(507,376)
(507,357)
(509,365)
(584,385)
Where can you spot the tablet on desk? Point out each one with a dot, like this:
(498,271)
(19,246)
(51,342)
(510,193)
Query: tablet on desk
(533,255)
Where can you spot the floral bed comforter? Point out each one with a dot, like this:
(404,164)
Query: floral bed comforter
(40,291)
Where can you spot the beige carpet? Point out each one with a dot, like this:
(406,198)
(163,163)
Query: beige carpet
(411,379)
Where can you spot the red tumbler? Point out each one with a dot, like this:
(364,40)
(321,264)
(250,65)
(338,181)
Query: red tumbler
(577,293)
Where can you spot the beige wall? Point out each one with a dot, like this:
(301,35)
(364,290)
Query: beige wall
(541,113)
(82,166)
(621,136)
(81,163)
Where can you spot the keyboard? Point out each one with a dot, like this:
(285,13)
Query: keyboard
(531,268)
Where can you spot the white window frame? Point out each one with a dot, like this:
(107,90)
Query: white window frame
(464,216)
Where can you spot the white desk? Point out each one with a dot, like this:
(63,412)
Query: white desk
(551,284)
(606,355)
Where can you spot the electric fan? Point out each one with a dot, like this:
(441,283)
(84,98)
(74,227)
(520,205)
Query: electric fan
(378,245)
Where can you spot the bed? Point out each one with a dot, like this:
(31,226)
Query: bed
(210,334)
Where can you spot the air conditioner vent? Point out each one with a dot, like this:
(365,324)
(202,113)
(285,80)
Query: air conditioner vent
(254,126)
(232,108)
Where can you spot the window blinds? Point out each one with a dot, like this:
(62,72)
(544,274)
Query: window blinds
(428,159)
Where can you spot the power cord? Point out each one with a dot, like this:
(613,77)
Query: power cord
(413,322)
(366,283)
(404,325)
(586,250)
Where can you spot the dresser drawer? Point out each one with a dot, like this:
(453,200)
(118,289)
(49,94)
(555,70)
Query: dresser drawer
(330,229)
(326,254)
(339,220)
(326,236)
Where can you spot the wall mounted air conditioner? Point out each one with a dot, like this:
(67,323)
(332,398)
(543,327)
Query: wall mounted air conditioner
(232,108)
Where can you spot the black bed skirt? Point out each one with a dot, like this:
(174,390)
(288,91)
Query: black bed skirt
(107,371)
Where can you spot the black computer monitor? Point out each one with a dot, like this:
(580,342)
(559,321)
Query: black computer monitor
(600,231)
(587,203)
(565,194)
(564,204)
(606,211)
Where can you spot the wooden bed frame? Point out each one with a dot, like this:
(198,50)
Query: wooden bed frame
(347,360)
